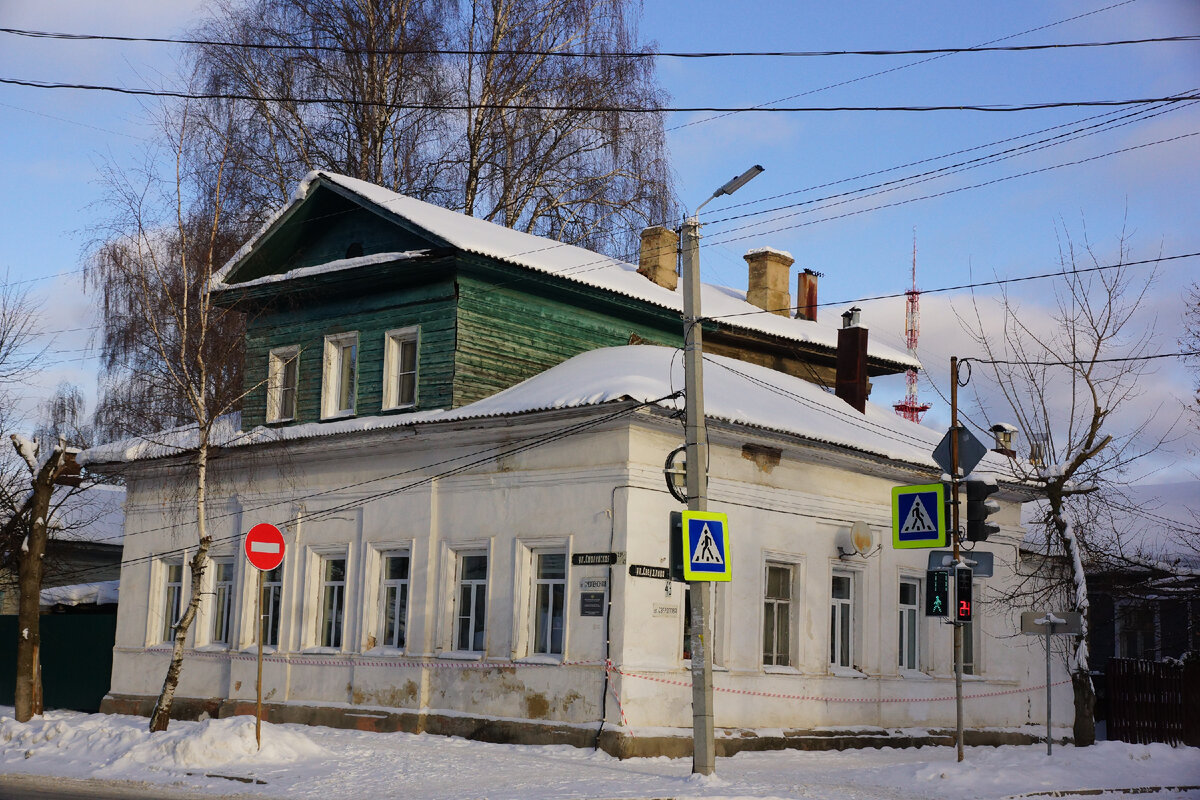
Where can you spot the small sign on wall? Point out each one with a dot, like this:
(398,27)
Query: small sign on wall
(662,610)
(591,604)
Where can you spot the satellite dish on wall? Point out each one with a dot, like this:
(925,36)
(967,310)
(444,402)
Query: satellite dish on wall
(859,540)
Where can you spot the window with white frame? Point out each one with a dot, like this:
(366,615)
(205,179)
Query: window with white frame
(340,387)
(777,615)
(470,627)
(909,625)
(222,601)
(550,598)
(400,368)
(333,601)
(283,379)
(393,617)
(172,599)
(271,606)
(841,620)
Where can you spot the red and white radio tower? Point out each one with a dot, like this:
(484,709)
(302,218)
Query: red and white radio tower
(911,408)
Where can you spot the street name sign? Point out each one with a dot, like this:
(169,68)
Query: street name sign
(919,516)
(706,546)
(594,559)
(264,547)
(1041,623)
(981,562)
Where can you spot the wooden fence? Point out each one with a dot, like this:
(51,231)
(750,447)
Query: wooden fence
(1154,701)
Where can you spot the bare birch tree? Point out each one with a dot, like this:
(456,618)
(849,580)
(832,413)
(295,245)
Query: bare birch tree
(445,100)
(1063,378)
(154,266)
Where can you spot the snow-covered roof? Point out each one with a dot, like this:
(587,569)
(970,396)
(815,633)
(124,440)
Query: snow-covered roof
(98,593)
(481,237)
(735,392)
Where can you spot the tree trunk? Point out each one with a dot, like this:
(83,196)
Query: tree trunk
(27,698)
(1085,707)
(161,716)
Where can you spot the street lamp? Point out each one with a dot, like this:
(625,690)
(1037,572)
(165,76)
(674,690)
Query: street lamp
(703,745)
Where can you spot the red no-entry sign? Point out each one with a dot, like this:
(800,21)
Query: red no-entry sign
(264,546)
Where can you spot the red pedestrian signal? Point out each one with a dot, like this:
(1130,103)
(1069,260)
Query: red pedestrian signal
(962,594)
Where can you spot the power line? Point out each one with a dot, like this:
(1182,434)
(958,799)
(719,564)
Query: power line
(1080,361)
(599,109)
(621,54)
(978,284)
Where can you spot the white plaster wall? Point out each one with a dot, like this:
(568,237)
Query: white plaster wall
(588,493)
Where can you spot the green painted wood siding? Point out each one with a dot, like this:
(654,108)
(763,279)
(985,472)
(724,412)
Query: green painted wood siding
(431,307)
(514,326)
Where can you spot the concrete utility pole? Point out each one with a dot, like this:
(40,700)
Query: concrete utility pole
(704,759)
(954,517)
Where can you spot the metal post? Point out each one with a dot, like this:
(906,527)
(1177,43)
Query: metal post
(1049,634)
(703,744)
(954,516)
(258,683)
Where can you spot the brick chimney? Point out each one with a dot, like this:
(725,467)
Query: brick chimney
(658,256)
(768,284)
(806,295)
(852,362)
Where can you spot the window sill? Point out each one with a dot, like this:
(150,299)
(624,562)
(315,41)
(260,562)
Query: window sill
(462,655)
(213,647)
(399,409)
(385,651)
(915,675)
(313,651)
(280,421)
(540,658)
(779,669)
(338,416)
(846,672)
(268,649)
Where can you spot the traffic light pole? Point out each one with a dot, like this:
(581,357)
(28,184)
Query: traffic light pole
(954,516)
(703,745)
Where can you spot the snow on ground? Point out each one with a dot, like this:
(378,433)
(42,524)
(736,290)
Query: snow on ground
(314,762)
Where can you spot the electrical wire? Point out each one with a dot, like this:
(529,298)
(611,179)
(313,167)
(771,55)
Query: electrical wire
(596,108)
(606,54)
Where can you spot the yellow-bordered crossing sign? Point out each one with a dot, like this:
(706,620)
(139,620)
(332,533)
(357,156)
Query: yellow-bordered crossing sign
(705,546)
(919,516)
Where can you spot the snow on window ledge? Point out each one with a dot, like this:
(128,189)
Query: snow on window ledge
(384,650)
(461,655)
(539,658)
(213,647)
(845,672)
(268,649)
(780,669)
(915,675)
(334,651)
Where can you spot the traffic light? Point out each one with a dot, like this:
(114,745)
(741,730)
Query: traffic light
(962,594)
(979,508)
(937,593)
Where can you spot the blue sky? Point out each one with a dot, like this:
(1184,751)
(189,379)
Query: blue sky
(54,146)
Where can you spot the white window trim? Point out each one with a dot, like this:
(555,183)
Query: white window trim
(922,661)
(793,566)
(566,600)
(205,634)
(376,595)
(855,604)
(313,599)
(158,598)
(457,554)
(275,362)
(331,384)
(391,366)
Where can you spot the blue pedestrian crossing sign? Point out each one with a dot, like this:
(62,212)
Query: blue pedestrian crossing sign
(919,516)
(705,546)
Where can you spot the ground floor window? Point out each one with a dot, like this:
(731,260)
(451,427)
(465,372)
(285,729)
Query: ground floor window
(550,586)
(471,615)
(172,600)
(841,620)
(777,616)
(272,595)
(909,626)
(333,601)
(394,616)
(222,604)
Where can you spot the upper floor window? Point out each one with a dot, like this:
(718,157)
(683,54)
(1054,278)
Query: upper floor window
(283,377)
(400,368)
(340,387)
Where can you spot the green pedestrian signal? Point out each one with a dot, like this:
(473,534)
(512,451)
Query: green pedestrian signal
(937,593)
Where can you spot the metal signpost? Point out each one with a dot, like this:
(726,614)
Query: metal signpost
(1050,623)
(264,551)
